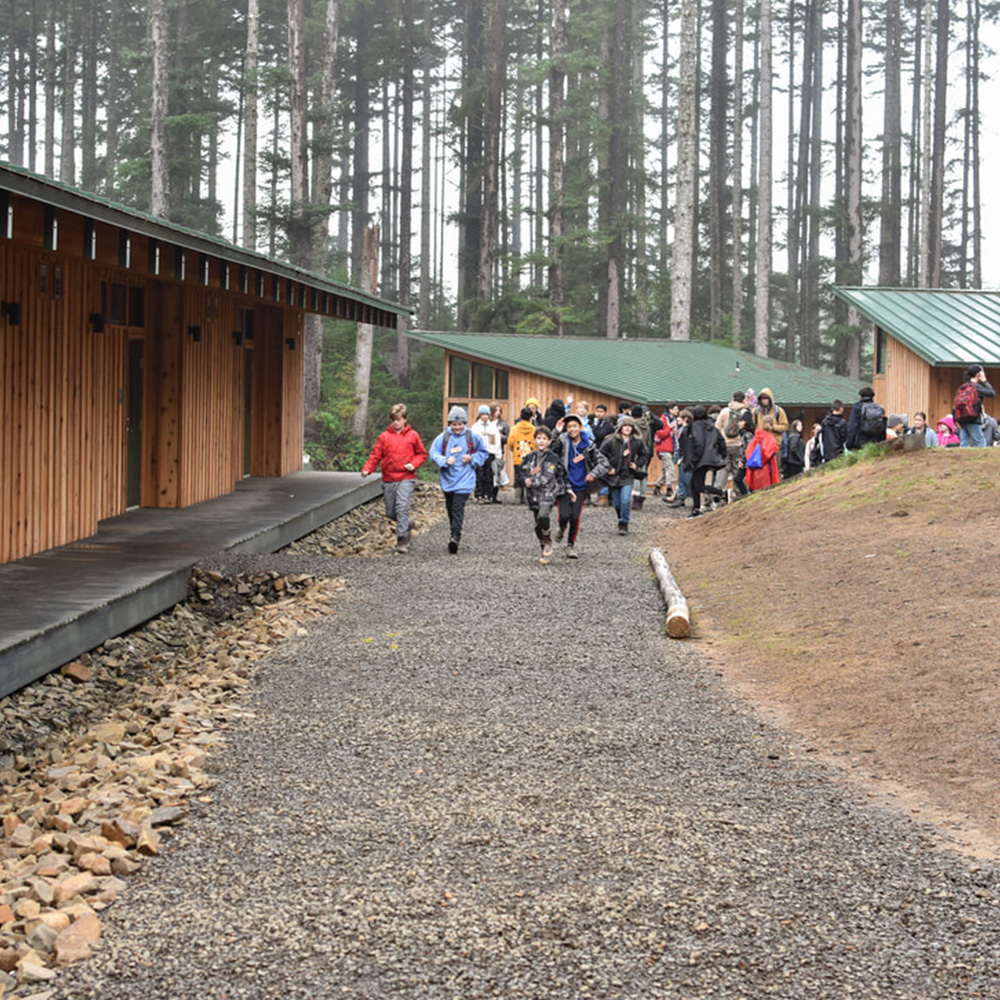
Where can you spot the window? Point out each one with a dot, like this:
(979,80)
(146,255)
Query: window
(50,237)
(482,381)
(180,264)
(244,280)
(124,305)
(880,351)
(458,381)
(501,388)
(137,306)
(118,304)
(6,216)
(203,269)
(89,239)
(154,257)
(124,249)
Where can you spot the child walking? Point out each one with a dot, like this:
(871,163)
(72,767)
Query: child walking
(457,453)
(400,452)
(545,481)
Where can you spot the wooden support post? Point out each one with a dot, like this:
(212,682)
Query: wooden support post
(678,618)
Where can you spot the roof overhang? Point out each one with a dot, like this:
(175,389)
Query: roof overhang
(22,182)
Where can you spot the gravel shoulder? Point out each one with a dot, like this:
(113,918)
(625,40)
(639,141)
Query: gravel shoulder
(478,776)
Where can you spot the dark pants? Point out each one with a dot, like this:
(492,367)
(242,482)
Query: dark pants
(570,512)
(543,522)
(484,480)
(699,486)
(454,503)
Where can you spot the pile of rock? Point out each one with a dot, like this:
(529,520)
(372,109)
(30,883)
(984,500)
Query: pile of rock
(101,760)
(366,531)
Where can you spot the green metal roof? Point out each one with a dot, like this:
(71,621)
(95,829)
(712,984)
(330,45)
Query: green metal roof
(20,181)
(650,371)
(946,327)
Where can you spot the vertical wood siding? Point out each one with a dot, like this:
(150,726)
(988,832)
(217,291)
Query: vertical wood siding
(64,386)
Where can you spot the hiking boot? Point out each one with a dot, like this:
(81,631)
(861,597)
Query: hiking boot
(453,546)
(637,502)
(561,532)
(571,553)
(623,527)
(674,503)
(401,545)
(697,512)
(546,548)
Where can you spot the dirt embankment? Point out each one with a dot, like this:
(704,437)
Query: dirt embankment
(859,606)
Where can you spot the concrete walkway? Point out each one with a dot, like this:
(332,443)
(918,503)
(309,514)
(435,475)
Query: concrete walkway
(60,603)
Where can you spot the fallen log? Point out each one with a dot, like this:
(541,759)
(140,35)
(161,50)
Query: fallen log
(678,617)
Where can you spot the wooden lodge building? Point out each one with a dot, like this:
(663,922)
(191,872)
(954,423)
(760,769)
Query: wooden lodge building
(925,339)
(141,364)
(510,369)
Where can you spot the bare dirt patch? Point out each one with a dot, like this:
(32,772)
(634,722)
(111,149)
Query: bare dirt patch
(859,606)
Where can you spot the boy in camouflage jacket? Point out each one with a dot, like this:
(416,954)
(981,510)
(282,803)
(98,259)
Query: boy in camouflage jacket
(545,480)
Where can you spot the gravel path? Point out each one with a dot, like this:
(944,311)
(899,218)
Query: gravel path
(483,777)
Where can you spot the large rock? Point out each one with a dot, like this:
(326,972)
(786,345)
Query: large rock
(78,941)
(75,885)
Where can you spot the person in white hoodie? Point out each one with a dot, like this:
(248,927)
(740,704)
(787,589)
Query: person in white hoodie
(486,475)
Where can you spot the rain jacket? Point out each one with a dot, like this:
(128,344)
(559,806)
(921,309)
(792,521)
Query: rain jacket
(394,449)
(768,474)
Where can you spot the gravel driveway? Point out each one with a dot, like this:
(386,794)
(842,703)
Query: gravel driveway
(483,777)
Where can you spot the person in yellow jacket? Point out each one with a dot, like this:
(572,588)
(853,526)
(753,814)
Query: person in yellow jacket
(521,442)
(767,407)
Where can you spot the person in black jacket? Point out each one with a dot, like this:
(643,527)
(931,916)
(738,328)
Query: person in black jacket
(706,452)
(625,455)
(867,421)
(834,432)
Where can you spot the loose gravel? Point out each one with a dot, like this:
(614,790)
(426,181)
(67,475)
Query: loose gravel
(484,777)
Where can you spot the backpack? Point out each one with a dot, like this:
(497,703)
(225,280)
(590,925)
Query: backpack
(872,418)
(755,458)
(733,423)
(966,403)
(468,438)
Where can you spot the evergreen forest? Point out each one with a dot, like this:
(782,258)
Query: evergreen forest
(609,168)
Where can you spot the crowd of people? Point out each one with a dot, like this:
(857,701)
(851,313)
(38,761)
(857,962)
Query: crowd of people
(570,456)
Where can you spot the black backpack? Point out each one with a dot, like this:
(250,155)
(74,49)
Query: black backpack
(872,418)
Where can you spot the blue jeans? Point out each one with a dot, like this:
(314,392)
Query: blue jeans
(621,500)
(683,483)
(971,436)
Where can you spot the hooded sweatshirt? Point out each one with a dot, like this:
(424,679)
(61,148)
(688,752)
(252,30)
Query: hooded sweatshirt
(761,411)
(461,476)
(395,449)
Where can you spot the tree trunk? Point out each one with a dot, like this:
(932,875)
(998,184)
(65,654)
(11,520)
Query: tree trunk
(617,168)
(852,160)
(426,169)
(406,197)
(762,297)
(67,144)
(737,208)
(366,336)
(687,171)
(250,92)
(890,238)
(925,158)
(160,178)
(299,235)
(718,126)
(51,64)
(88,99)
(939,151)
(494,69)
(557,156)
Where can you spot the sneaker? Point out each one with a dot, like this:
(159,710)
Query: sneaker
(697,512)
(546,551)
(401,546)
(623,527)
(453,546)
(561,532)
(674,503)
(571,552)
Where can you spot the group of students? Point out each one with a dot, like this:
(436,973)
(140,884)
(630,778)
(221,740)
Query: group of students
(565,455)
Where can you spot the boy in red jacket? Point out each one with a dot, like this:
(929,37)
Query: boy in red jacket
(400,452)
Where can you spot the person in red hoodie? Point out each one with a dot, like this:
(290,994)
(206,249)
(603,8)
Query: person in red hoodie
(762,457)
(400,452)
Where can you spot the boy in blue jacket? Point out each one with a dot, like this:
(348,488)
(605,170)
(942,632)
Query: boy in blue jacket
(457,452)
